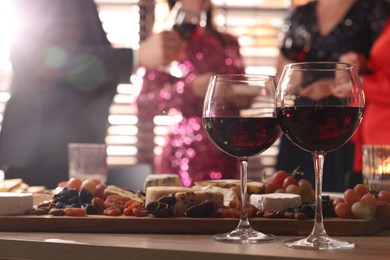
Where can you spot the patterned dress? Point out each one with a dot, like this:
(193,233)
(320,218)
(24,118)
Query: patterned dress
(188,151)
(357,32)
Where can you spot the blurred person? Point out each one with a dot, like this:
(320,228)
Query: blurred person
(188,151)
(64,81)
(375,126)
(324,30)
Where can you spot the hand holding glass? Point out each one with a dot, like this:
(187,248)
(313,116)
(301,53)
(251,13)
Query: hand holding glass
(320,106)
(239,115)
(185,24)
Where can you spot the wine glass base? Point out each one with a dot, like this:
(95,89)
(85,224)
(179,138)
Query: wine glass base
(244,236)
(318,243)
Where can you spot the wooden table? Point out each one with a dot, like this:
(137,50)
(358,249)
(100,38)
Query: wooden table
(42,246)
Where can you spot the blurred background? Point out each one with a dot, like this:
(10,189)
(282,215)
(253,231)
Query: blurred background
(127,22)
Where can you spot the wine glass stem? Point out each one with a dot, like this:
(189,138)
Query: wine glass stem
(244,222)
(318,229)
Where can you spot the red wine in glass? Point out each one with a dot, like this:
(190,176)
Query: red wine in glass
(319,128)
(186,30)
(239,116)
(242,137)
(319,108)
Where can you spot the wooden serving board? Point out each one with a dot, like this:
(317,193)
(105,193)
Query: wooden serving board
(123,224)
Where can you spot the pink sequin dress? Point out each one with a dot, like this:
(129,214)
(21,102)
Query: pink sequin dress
(188,151)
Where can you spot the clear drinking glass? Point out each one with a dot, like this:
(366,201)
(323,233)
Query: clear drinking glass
(319,107)
(239,116)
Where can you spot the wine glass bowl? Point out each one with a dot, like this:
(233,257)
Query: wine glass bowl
(319,107)
(239,116)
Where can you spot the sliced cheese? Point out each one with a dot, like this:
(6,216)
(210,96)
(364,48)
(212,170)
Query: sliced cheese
(161,180)
(229,194)
(154,193)
(185,200)
(224,183)
(12,203)
(253,187)
(275,201)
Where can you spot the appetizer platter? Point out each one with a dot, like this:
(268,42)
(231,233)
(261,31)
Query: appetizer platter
(281,206)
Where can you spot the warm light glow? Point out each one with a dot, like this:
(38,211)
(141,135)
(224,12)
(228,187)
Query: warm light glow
(384,167)
(7,27)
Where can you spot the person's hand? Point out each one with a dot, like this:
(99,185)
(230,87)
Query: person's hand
(200,84)
(342,90)
(360,62)
(318,90)
(161,49)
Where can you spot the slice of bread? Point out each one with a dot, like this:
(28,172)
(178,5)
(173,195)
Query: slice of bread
(115,190)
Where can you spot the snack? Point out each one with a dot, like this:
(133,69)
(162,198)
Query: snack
(156,192)
(114,190)
(15,203)
(275,201)
(185,200)
(161,180)
(253,187)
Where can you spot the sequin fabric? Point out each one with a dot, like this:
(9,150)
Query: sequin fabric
(188,151)
(356,32)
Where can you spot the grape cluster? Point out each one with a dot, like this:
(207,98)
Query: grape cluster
(360,203)
(283,182)
(309,208)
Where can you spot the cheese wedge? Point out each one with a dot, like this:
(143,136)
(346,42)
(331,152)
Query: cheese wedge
(224,183)
(15,203)
(161,180)
(11,184)
(275,201)
(185,200)
(253,187)
(154,193)
(229,194)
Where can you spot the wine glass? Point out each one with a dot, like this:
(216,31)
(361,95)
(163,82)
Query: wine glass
(296,42)
(319,107)
(239,116)
(185,24)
